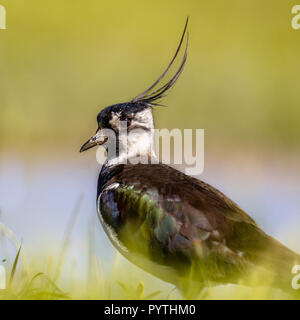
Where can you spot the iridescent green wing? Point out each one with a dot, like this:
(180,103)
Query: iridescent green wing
(137,217)
(168,231)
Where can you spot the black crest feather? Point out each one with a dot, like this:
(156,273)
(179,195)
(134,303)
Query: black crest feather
(151,97)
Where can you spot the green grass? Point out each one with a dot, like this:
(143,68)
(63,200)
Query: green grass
(38,278)
(28,280)
(34,285)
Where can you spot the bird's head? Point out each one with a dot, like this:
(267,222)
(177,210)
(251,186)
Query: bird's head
(121,119)
(135,115)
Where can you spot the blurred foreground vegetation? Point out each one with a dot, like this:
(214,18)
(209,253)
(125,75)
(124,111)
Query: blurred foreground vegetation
(37,285)
(31,278)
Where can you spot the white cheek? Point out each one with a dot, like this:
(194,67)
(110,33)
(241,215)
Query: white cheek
(143,118)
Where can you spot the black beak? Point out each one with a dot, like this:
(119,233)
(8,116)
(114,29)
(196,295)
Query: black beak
(95,140)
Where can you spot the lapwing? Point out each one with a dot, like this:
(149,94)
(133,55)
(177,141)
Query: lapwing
(174,226)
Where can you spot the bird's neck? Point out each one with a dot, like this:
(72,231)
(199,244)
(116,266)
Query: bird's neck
(135,147)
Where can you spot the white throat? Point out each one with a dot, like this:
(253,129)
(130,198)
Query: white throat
(136,145)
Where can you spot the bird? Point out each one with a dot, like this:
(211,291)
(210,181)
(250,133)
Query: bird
(174,226)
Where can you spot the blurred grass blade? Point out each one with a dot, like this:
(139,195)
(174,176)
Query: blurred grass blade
(123,286)
(152,295)
(140,290)
(14,266)
(67,236)
(36,275)
(8,234)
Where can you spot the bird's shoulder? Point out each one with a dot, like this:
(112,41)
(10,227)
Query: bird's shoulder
(177,192)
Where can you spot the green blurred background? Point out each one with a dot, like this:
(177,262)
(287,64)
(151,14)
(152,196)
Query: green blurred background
(62,61)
